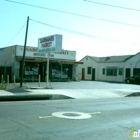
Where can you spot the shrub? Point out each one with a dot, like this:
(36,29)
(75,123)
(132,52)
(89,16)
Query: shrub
(3,85)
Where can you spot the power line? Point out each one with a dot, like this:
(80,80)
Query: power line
(115,6)
(16,34)
(71,31)
(75,14)
(49,9)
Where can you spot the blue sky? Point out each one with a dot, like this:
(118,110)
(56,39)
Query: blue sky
(88,36)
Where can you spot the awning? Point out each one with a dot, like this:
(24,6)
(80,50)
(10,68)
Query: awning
(50,60)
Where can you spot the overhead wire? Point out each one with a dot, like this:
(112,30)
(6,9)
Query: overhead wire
(115,6)
(16,34)
(72,31)
(75,14)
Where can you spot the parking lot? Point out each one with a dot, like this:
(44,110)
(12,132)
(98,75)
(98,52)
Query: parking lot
(84,85)
(79,90)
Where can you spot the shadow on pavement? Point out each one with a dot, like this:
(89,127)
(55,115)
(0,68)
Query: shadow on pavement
(133,94)
(19,91)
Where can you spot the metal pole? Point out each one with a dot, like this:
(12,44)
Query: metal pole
(14,80)
(5,72)
(1,78)
(7,79)
(39,80)
(23,61)
(61,72)
(47,80)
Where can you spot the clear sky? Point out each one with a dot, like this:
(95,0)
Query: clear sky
(87,36)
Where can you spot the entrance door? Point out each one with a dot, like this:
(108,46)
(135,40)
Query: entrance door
(93,74)
(127,72)
(83,73)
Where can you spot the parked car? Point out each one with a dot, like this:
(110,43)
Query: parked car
(134,79)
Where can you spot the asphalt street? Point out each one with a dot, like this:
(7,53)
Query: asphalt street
(111,119)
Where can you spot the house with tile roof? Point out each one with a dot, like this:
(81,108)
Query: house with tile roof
(110,68)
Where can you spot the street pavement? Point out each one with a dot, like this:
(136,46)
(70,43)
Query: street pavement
(112,115)
(76,90)
(33,120)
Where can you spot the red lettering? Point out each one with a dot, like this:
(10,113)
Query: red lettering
(51,38)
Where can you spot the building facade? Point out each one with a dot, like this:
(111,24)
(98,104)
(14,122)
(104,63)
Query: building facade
(111,68)
(62,64)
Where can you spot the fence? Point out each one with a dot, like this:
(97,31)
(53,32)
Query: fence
(3,79)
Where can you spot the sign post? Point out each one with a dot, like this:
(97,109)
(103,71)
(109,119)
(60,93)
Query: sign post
(47,72)
(49,44)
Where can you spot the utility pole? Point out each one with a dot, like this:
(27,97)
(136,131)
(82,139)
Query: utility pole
(23,60)
(47,72)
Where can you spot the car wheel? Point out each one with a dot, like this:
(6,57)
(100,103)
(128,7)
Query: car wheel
(128,81)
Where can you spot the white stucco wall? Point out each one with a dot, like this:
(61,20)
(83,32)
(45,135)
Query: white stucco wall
(7,56)
(117,65)
(88,62)
(133,62)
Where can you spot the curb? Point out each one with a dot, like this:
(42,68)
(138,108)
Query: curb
(23,97)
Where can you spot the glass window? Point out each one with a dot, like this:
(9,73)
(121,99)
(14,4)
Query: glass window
(120,71)
(88,70)
(111,72)
(31,68)
(103,72)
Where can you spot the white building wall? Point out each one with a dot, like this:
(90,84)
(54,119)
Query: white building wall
(131,63)
(87,62)
(2,56)
(7,56)
(16,68)
(105,77)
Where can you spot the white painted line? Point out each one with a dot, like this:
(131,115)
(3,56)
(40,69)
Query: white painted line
(94,113)
(60,114)
(45,117)
(80,115)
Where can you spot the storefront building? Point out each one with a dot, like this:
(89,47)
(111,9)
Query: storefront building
(62,64)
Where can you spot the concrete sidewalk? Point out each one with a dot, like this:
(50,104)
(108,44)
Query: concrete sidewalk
(76,90)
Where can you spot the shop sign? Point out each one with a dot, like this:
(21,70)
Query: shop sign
(50,43)
(33,53)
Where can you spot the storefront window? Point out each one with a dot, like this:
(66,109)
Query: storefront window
(31,68)
(59,71)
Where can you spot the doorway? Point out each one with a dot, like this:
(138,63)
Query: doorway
(83,73)
(127,72)
(93,74)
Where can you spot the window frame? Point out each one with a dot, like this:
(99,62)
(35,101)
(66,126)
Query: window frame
(103,71)
(111,71)
(88,70)
(120,71)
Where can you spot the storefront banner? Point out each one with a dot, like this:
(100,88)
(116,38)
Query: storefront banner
(33,53)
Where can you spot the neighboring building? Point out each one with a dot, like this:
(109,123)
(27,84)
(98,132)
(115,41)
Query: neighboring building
(111,68)
(62,65)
